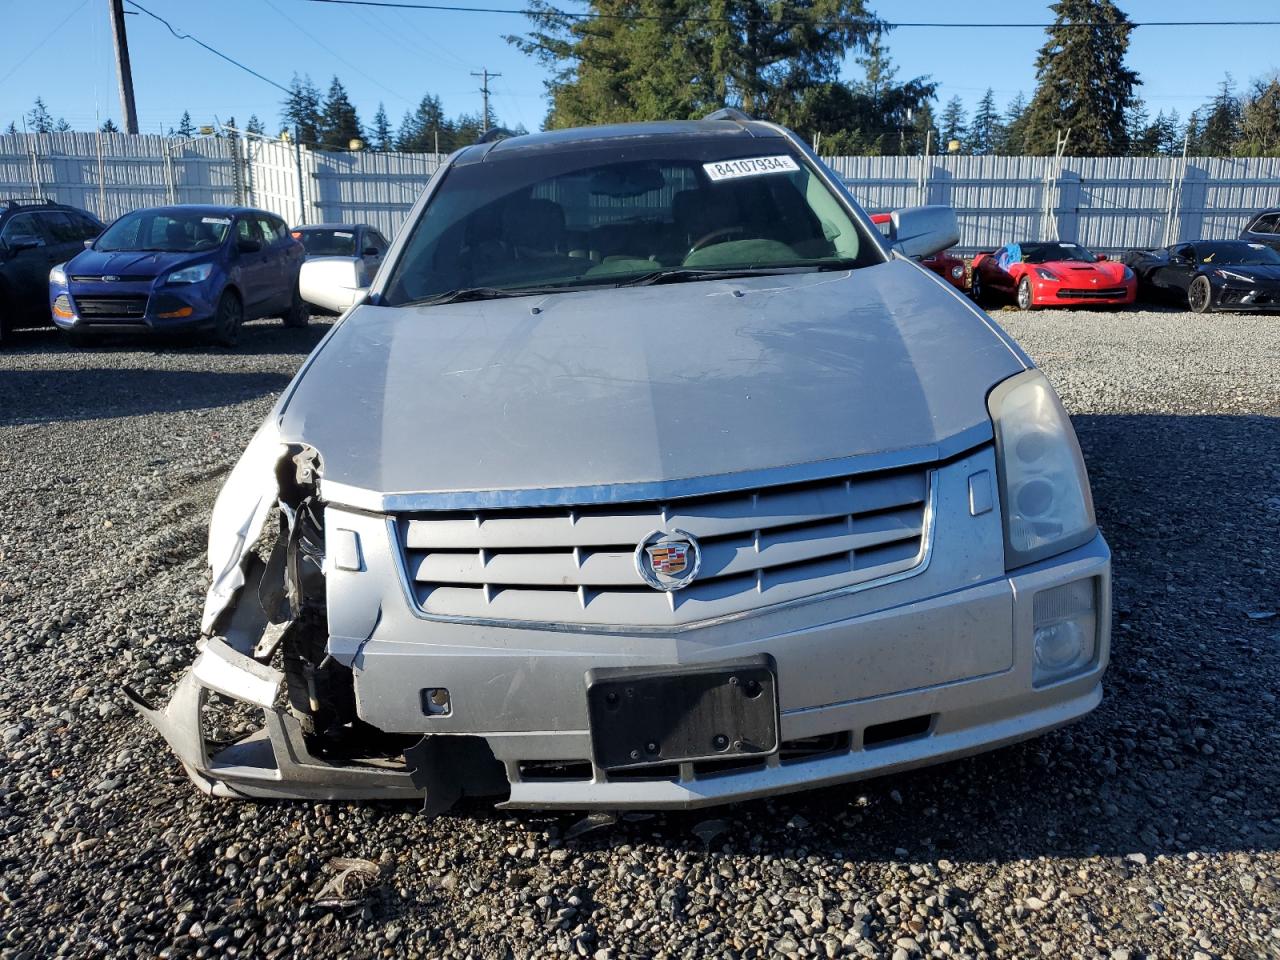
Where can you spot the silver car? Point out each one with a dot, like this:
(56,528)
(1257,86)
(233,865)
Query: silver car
(645,474)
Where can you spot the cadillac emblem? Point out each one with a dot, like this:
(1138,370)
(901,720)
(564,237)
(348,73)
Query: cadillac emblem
(668,560)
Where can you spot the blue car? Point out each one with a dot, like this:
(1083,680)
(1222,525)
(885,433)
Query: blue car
(190,267)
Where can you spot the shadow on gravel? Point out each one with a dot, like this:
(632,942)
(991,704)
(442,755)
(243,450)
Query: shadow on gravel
(257,338)
(1182,754)
(94,393)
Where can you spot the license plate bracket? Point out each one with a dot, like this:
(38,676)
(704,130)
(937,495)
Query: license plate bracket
(641,716)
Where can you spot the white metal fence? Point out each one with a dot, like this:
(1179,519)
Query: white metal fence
(1108,203)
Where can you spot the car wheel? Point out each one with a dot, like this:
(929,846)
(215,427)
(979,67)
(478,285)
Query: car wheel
(228,319)
(1200,296)
(975,288)
(299,314)
(1024,294)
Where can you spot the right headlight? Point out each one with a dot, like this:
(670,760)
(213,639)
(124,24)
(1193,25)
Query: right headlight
(1044,488)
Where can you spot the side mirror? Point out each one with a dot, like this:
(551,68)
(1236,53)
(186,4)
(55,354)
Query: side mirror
(90,242)
(331,282)
(248,246)
(923,231)
(17,246)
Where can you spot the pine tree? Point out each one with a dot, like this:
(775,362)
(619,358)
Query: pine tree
(1012,141)
(61,126)
(381,132)
(254,127)
(985,129)
(108,126)
(1218,134)
(1171,130)
(1139,130)
(420,128)
(1083,82)
(12,129)
(339,124)
(301,110)
(186,128)
(1260,120)
(39,120)
(952,125)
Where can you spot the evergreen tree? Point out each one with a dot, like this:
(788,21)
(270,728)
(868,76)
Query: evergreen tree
(952,126)
(420,128)
(61,126)
(1260,120)
(682,58)
(39,120)
(254,126)
(186,128)
(1012,141)
(1139,130)
(986,129)
(381,132)
(108,126)
(301,110)
(339,124)
(1220,130)
(12,129)
(1169,141)
(923,133)
(1083,82)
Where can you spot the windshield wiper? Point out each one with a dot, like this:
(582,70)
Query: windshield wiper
(690,274)
(464,294)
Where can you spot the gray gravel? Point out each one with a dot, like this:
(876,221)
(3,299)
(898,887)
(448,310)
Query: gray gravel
(1151,829)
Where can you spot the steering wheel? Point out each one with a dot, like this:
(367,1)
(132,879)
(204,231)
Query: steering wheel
(706,239)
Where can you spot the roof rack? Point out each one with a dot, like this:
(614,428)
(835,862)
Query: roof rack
(494,134)
(27,202)
(728,113)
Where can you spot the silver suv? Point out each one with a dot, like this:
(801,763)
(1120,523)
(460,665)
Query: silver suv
(646,473)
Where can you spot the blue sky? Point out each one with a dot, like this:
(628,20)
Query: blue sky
(395,56)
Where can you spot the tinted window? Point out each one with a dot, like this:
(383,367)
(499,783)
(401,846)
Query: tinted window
(89,228)
(22,229)
(246,230)
(328,243)
(581,217)
(61,227)
(271,229)
(1236,251)
(170,231)
(1049,252)
(1265,223)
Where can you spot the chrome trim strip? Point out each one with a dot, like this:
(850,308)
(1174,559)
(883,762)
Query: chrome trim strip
(344,495)
(922,564)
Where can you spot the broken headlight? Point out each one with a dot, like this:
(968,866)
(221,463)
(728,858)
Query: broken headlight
(1044,488)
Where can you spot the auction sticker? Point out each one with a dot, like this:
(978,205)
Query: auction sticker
(749,167)
(220,221)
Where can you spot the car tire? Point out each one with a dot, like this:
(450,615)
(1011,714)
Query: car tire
(227,319)
(1026,298)
(1200,295)
(299,314)
(975,289)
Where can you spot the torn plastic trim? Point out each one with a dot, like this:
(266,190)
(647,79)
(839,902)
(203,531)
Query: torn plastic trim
(271,763)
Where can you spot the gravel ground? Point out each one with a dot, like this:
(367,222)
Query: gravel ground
(1151,829)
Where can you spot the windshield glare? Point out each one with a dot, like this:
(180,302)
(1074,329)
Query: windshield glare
(1236,253)
(327,243)
(1049,252)
(169,232)
(582,218)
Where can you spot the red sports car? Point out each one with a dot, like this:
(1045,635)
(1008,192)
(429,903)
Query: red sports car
(951,268)
(1051,274)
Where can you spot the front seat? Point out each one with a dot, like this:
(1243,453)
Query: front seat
(534,229)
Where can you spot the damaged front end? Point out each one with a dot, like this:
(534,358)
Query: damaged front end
(264,651)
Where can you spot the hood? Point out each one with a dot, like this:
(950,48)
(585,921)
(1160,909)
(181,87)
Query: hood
(135,264)
(1257,271)
(1108,270)
(647,384)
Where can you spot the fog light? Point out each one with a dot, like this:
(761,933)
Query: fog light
(436,702)
(62,308)
(172,314)
(1066,620)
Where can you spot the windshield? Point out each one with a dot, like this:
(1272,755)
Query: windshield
(1049,252)
(327,243)
(575,218)
(170,231)
(1236,252)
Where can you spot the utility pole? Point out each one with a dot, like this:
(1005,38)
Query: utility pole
(123,70)
(484,91)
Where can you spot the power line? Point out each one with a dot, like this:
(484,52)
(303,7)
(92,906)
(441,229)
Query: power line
(484,92)
(49,36)
(198,42)
(899,25)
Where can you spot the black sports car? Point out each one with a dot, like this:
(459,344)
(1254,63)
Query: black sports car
(1211,275)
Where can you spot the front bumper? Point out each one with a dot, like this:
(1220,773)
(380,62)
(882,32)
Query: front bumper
(164,307)
(950,674)
(1264,298)
(1046,294)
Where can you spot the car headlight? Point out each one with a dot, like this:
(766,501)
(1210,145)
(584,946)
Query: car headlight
(1232,275)
(190,274)
(58,275)
(1043,484)
(1126,274)
(1044,274)
(957,271)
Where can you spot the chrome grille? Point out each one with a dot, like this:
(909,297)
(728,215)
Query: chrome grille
(577,565)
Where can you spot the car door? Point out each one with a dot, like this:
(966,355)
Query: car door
(276,243)
(1172,278)
(24,267)
(66,236)
(253,261)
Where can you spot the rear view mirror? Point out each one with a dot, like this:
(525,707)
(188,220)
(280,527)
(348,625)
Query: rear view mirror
(923,231)
(331,282)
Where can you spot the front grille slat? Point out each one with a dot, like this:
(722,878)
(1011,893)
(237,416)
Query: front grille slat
(111,308)
(577,565)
